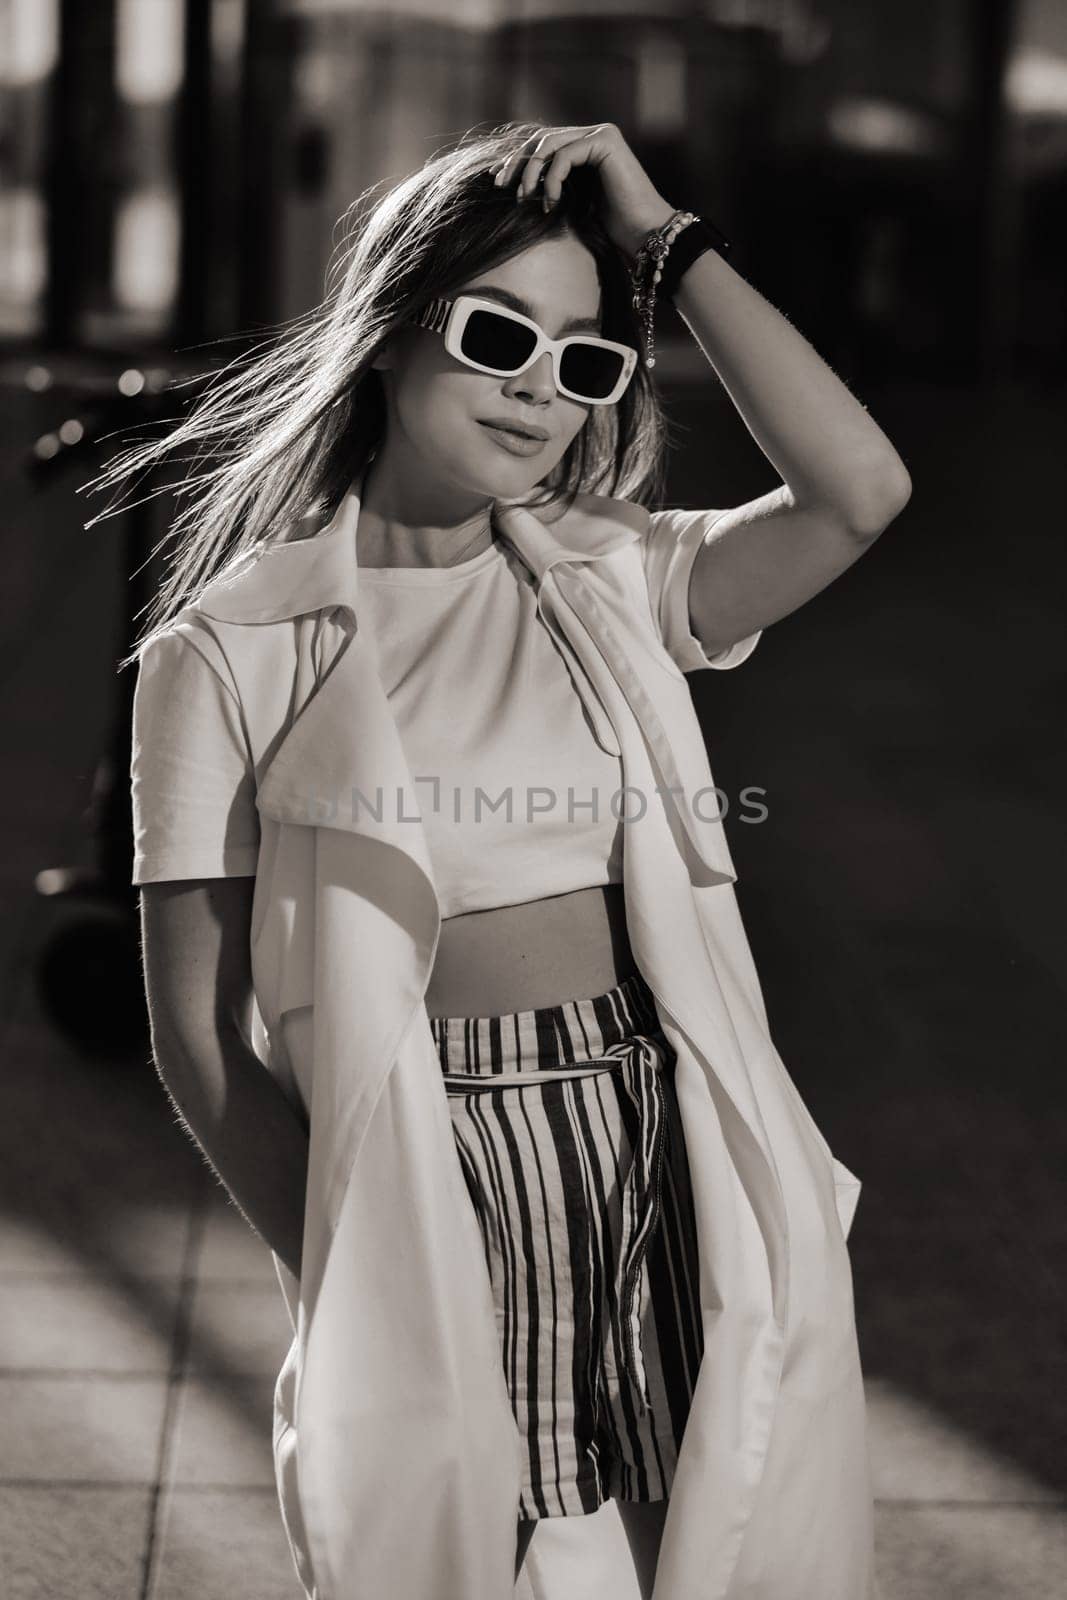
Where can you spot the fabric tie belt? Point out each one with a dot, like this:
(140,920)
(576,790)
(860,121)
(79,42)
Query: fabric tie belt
(640,1061)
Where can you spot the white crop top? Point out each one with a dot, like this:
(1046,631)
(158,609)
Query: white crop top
(518,800)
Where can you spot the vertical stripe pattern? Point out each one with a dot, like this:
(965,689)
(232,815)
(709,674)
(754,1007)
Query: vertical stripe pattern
(571,1144)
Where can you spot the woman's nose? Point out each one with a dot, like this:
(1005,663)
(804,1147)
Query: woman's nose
(537,381)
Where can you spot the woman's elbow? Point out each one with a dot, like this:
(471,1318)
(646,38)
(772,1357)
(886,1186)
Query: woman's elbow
(884,497)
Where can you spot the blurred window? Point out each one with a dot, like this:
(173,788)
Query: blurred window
(30,30)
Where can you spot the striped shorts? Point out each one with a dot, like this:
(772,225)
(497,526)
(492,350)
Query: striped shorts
(572,1148)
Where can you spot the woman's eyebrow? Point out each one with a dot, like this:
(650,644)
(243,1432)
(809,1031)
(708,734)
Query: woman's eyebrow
(517,303)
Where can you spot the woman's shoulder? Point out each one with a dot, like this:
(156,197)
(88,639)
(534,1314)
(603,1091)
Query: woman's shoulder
(214,626)
(303,569)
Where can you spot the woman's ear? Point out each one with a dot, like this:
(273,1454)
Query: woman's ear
(395,348)
(385,357)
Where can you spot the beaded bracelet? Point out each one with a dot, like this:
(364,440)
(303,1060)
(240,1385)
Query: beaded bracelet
(648,269)
(655,266)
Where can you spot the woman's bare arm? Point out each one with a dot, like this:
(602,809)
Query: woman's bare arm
(198,983)
(843,482)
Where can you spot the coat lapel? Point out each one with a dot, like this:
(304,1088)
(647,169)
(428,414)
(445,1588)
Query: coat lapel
(340,764)
(680,964)
(693,813)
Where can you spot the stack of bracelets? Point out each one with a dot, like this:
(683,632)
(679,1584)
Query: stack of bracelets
(660,263)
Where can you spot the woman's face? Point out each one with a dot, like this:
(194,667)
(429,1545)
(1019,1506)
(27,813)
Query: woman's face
(438,408)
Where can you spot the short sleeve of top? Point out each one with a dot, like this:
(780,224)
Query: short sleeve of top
(192,778)
(670,546)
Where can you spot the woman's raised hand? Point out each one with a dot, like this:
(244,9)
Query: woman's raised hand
(632,205)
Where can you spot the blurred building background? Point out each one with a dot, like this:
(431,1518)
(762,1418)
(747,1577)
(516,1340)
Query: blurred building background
(173,169)
(173,175)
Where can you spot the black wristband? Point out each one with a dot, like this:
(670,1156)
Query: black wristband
(699,236)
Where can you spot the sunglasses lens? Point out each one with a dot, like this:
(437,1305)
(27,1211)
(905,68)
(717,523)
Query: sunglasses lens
(590,371)
(506,346)
(497,341)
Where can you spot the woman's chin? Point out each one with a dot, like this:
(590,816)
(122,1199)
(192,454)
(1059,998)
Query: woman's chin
(510,477)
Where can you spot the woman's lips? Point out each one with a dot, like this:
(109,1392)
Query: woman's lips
(518,444)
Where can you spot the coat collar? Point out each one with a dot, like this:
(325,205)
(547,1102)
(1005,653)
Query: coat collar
(292,576)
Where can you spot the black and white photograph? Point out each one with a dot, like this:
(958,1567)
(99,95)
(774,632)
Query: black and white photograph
(533,642)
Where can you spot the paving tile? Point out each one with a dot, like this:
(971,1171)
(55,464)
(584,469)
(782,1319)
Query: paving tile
(918,1453)
(230,1249)
(1025,1425)
(238,1329)
(95,1324)
(146,1240)
(149,1239)
(72,1544)
(222,1545)
(31,1244)
(113,1142)
(222,1433)
(947,1304)
(979,1552)
(946,1353)
(96,1430)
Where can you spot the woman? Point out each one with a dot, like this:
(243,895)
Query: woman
(561,994)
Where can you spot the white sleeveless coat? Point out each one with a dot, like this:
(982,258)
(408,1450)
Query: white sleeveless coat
(396,1451)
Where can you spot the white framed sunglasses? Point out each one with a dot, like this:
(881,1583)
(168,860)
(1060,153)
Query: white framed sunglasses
(492,338)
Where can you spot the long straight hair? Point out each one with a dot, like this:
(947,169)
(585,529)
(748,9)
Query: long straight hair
(282,433)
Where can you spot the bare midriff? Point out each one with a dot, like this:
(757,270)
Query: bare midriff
(540,953)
